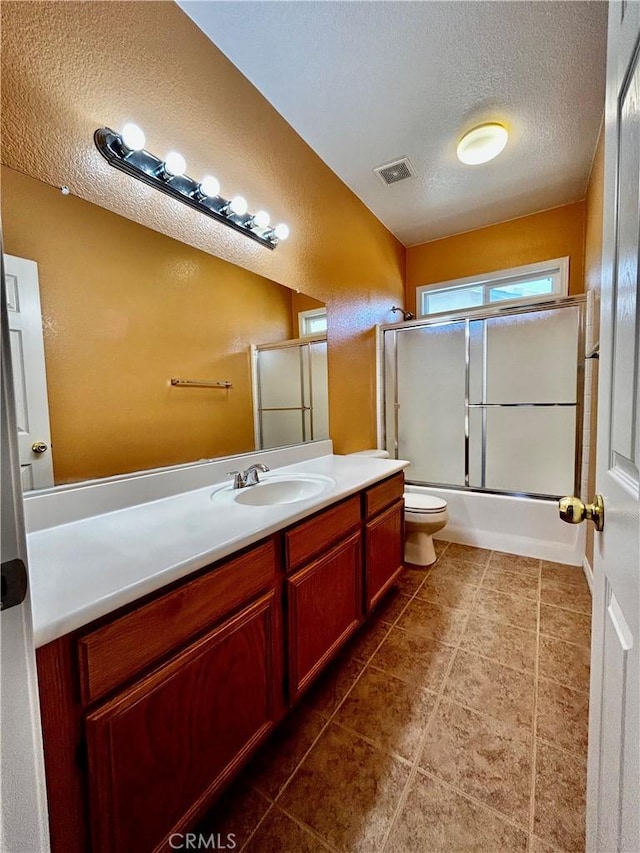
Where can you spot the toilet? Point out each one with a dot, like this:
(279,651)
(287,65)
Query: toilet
(424,515)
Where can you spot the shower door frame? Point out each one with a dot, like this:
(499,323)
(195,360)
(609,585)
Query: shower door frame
(300,344)
(467,317)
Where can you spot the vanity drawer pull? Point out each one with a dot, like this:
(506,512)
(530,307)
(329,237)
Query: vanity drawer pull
(116,652)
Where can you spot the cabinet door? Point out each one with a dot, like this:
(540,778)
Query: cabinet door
(160,750)
(324,609)
(384,552)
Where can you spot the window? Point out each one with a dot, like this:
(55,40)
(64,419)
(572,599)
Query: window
(313,322)
(522,284)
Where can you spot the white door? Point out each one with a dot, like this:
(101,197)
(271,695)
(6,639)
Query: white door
(30,381)
(23,806)
(613,788)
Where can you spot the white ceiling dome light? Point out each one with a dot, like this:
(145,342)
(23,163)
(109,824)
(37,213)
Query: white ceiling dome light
(482,143)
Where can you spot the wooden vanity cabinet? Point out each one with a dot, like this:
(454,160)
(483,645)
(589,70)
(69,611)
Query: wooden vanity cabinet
(383,509)
(148,712)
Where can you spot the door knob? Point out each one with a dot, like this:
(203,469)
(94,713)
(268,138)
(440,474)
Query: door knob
(39,447)
(573,511)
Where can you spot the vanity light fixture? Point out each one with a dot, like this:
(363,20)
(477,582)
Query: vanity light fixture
(126,151)
(482,143)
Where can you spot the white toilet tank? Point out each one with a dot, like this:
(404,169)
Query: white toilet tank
(376,454)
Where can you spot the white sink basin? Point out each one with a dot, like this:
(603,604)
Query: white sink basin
(275,489)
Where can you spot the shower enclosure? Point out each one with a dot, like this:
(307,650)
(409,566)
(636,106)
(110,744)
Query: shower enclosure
(291,401)
(490,400)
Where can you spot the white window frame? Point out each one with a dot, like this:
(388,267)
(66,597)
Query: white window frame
(558,268)
(302,320)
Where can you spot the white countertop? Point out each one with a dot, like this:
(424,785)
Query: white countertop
(87,568)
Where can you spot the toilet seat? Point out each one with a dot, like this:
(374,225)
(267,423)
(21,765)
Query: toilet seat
(423,504)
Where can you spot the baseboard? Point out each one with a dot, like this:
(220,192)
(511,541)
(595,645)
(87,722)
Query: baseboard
(588,572)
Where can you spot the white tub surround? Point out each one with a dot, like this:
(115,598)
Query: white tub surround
(90,566)
(522,526)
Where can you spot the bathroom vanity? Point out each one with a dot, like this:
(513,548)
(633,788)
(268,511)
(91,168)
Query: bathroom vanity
(150,708)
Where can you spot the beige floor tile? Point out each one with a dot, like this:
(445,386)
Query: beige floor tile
(468,553)
(448,591)
(570,596)
(567,663)
(391,606)
(367,639)
(564,573)
(457,570)
(411,580)
(236,813)
(347,791)
(512,582)
(278,758)
(492,689)
(435,819)
(510,609)
(560,798)
(413,658)
(332,686)
(537,845)
(563,716)
(481,756)
(500,642)
(278,833)
(432,620)
(565,625)
(394,715)
(440,546)
(514,563)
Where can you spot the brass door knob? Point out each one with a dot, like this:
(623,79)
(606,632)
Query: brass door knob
(574,511)
(39,447)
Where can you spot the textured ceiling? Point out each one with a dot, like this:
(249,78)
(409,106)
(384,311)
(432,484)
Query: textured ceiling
(364,83)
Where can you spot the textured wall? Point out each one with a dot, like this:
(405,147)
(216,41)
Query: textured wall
(68,68)
(592,280)
(124,309)
(539,237)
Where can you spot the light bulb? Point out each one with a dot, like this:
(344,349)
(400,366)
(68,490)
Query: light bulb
(482,144)
(174,164)
(210,186)
(238,205)
(261,219)
(281,231)
(132,137)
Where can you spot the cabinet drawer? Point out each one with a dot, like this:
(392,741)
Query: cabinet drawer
(311,537)
(111,655)
(383,494)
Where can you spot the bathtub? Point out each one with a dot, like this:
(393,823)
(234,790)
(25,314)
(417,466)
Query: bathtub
(517,525)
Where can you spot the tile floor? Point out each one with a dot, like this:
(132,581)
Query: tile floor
(455,721)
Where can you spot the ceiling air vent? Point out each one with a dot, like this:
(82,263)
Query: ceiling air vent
(393,173)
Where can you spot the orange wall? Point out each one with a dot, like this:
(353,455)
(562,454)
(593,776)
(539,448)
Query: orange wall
(69,68)
(539,237)
(592,278)
(125,309)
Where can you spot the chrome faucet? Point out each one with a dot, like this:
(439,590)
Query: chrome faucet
(248,478)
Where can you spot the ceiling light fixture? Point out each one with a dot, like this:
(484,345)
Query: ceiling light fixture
(126,151)
(482,143)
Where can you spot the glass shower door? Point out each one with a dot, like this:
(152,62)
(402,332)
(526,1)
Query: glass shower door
(430,398)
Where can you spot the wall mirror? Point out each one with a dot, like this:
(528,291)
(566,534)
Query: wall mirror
(125,310)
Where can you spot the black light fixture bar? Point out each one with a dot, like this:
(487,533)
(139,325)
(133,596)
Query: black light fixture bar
(149,169)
